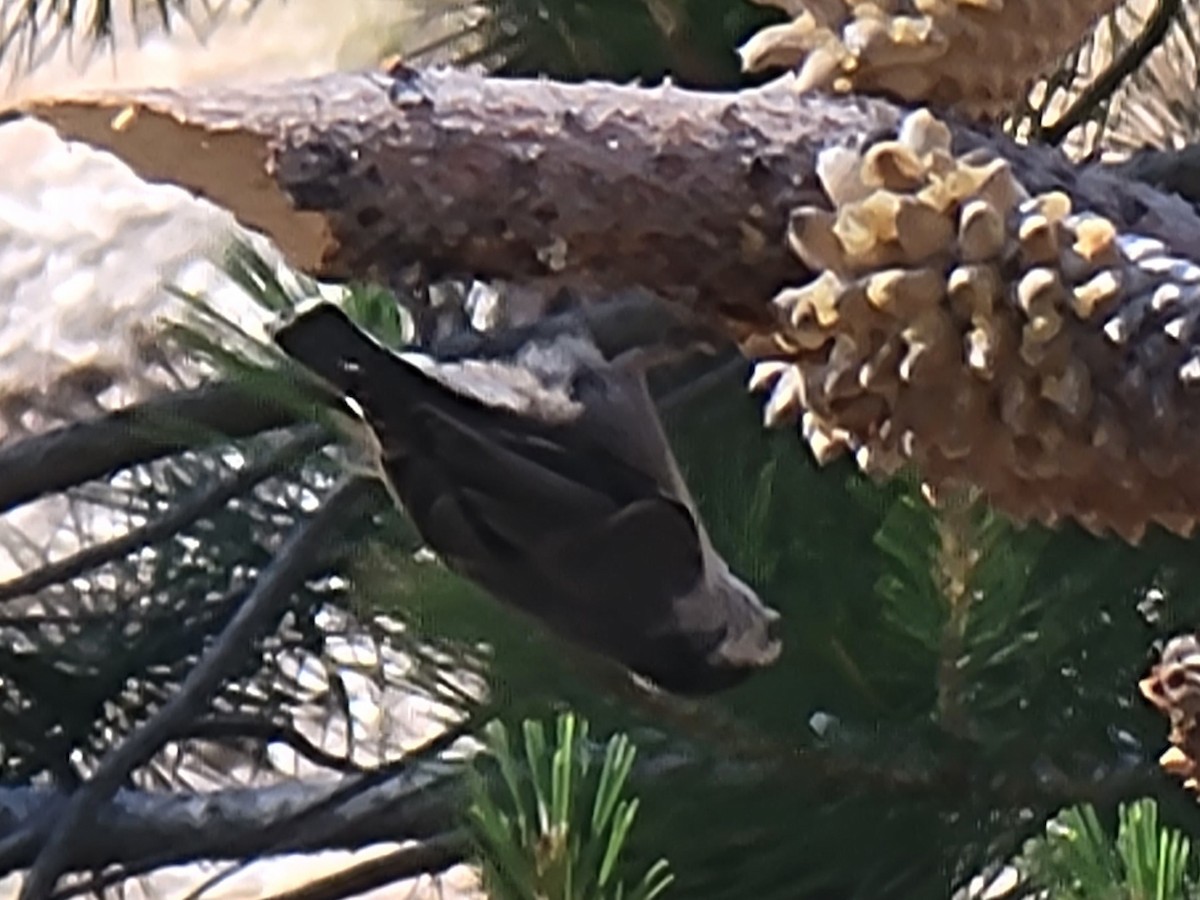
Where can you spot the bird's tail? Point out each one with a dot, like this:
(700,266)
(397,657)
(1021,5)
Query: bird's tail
(325,341)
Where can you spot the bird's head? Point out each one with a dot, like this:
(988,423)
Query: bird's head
(742,640)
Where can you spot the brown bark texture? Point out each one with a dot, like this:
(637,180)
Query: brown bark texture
(358,175)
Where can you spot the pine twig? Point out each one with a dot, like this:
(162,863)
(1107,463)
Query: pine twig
(955,560)
(1110,79)
(84,451)
(184,514)
(233,726)
(307,828)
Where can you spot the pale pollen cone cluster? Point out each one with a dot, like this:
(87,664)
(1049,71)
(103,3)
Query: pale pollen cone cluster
(1174,687)
(986,336)
(978,57)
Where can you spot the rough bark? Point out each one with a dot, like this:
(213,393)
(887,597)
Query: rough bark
(356,175)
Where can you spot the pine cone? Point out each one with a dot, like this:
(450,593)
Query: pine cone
(977,57)
(990,337)
(1174,687)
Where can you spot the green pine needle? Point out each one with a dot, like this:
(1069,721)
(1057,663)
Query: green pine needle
(583,822)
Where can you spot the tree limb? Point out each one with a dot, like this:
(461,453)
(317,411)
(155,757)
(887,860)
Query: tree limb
(315,828)
(357,175)
(409,800)
(1105,85)
(312,824)
(426,858)
(523,179)
(84,451)
(241,727)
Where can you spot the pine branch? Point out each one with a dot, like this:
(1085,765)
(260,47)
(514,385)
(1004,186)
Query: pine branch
(955,558)
(84,451)
(714,201)
(321,822)
(569,184)
(188,511)
(275,587)
(426,858)
(316,829)
(231,726)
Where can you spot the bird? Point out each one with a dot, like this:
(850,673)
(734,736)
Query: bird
(536,466)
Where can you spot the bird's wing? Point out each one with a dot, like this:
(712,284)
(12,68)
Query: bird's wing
(483,445)
(603,548)
(510,475)
(634,561)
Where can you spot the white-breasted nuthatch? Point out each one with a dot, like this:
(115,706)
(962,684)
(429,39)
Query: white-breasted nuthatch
(536,466)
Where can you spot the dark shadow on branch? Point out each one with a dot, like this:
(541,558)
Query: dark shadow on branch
(1176,171)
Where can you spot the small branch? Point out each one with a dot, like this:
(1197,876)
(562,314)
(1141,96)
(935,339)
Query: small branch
(142,830)
(321,823)
(683,191)
(188,511)
(1103,88)
(230,727)
(426,858)
(597,188)
(84,451)
(953,567)
(274,589)
(309,822)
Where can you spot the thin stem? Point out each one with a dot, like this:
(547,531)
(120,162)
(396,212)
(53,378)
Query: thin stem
(1103,88)
(426,858)
(955,561)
